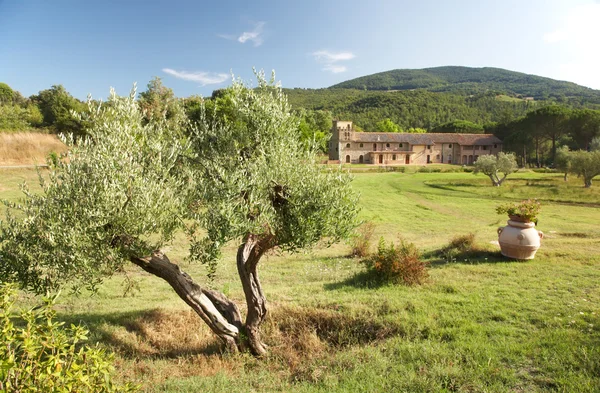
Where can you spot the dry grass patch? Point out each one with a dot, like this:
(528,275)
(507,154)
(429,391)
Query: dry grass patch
(160,344)
(28,148)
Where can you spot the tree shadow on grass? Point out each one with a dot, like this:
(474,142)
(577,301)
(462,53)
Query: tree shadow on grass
(156,333)
(368,279)
(442,257)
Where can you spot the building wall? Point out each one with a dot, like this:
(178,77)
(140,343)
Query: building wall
(469,154)
(343,148)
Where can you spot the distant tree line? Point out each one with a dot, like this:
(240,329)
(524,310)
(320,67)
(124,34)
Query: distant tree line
(533,130)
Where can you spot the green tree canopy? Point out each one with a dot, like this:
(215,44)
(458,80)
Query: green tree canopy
(584,125)
(122,193)
(57,107)
(159,101)
(6,94)
(459,126)
(493,166)
(387,125)
(585,164)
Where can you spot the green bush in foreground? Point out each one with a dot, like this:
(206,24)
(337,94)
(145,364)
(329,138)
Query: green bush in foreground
(42,356)
(398,264)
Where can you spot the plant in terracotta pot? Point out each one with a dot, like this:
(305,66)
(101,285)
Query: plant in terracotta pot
(524,211)
(519,239)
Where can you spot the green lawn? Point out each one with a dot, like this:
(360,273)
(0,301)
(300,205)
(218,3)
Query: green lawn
(482,324)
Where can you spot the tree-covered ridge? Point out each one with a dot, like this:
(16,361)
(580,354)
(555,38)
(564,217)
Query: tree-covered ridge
(408,109)
(468,80)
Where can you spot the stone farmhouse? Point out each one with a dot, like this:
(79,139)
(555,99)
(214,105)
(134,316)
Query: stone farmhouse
(383,148)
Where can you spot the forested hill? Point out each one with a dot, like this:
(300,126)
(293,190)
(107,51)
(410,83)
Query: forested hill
(467,80)
(419,108)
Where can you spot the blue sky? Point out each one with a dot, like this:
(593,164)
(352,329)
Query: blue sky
(89,46)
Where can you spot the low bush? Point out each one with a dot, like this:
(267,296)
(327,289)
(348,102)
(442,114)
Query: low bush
(462,243)
(361,240)
(463,248)
(468,169)
(398,264)
(42,356)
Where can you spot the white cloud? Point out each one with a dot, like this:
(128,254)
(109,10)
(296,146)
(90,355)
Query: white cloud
(577,36)
(255,35)
(336,69)
(331,57)
(205,78)
(331,60)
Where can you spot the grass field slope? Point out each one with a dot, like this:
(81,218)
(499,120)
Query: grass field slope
(481,323)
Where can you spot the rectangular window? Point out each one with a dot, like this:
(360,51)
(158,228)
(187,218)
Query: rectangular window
(429,146)
(400,145)
(476,147)
(450,146)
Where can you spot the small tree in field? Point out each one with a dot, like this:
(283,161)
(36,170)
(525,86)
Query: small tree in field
(121,195)
(493,166)
(563,160)
(585,164)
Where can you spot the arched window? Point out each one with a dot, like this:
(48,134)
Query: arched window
(347,145)
(348,159)
(387,145)
(360,159)
(393,157)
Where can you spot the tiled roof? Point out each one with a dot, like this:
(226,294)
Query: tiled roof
(426,139)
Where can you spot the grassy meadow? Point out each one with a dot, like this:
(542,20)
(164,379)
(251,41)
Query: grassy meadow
(481,323)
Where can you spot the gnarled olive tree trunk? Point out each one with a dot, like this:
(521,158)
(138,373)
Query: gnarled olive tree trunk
(248,256)
(219,313)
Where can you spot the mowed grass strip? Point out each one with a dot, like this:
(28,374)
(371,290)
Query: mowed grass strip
(480,323)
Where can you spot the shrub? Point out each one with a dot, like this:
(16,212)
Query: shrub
(42,356)
(361,240)
(525,211)
(399,264)
(462,243)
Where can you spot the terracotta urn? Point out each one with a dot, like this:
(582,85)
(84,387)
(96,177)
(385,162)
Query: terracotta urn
(519,240)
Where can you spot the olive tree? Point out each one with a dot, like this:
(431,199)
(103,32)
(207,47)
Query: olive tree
(492,166)
(121,194)
(563,160)
(585,164)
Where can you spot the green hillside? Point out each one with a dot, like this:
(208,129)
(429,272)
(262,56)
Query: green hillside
(418,108)
(467,80)
(430,97)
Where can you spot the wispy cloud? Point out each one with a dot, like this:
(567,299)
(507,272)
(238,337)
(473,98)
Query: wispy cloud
(205,78)
(331,60)
(255,35)
(336,69)
(576,36)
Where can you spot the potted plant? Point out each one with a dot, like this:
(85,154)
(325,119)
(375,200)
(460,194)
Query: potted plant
(519,239)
